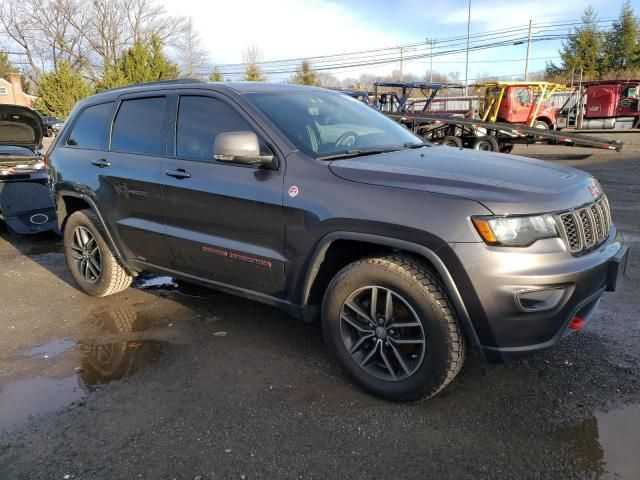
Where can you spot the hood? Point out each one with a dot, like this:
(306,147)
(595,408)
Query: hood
(505,184)
(20,127)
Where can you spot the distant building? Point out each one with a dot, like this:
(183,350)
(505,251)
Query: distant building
(11,92)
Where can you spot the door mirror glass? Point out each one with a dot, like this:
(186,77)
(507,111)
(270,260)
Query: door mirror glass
(239,147)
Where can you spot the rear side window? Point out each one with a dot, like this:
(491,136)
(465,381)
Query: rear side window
(90,127)
(200,120)
(138,124)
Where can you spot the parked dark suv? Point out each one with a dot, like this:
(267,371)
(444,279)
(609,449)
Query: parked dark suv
(311,201)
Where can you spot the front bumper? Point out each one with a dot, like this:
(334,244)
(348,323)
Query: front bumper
(497,274)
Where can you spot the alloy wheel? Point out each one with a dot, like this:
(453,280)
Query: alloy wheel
(86,254)
(382,333)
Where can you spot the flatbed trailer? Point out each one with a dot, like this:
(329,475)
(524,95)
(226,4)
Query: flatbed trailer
(493,136)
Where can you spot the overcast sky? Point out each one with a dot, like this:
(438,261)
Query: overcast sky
(300,28)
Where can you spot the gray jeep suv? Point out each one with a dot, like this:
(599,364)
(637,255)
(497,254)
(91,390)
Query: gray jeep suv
(311,201)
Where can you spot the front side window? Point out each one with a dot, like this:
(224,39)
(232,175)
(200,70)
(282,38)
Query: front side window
(523,95)
(90,127)
(138,125)
(200,120)
(322,124)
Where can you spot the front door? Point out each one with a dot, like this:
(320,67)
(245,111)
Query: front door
(521,105)
(225,222)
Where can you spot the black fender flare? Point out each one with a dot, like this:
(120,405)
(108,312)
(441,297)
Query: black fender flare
(430,255)
(62,214)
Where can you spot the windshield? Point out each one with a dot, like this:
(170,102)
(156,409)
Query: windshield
(324,124)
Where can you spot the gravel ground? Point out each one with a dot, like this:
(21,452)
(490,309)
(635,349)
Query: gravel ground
(169,381)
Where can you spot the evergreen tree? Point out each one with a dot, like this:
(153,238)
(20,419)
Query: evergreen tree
(143,62)
(60,90)
(5,65)
(305,75)
(621,48)
(584,50)
(216,75)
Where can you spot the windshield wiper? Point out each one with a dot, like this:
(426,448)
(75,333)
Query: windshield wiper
(358,153)
(417,145)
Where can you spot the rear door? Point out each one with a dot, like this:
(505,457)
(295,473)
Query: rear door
(225,222)
(129,192)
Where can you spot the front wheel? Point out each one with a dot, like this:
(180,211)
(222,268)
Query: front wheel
(90,260)
(389,323)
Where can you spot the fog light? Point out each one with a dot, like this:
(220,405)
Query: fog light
(539,299)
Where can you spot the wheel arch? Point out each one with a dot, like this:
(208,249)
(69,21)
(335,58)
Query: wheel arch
(69,202)
(320,271)
(543,118)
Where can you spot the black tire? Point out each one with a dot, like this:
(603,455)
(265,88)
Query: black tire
(486,143)
(425,297)
(112,277)
(541,124)
(506,147)
(451,141)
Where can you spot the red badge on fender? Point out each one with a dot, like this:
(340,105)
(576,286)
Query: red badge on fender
(293,191)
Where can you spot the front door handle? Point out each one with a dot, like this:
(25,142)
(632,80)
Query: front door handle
(101,163)
(178,173)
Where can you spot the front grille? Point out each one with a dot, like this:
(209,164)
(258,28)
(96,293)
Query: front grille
(586,227)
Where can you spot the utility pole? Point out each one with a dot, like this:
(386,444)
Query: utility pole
(431,41)
(401,52)
(526,63)
(466,68)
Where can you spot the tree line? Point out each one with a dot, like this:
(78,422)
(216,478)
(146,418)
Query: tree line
(599,54)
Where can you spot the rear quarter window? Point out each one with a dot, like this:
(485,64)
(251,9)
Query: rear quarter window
(138,124)
(91,126)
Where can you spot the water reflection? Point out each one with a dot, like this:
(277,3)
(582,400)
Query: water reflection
(106,357)
(608,444)
(113,351)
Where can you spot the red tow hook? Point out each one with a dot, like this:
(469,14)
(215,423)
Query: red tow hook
(576,323)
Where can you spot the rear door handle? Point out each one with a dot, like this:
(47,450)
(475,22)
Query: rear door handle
(101,163)
(178,173)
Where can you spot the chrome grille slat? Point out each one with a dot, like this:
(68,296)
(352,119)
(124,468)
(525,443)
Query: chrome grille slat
(596,213)
(586,227)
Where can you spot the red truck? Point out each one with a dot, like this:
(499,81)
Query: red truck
(606,104)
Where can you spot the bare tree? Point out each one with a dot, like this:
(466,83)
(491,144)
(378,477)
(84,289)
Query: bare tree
(193,58)
(252,56)
(88,35)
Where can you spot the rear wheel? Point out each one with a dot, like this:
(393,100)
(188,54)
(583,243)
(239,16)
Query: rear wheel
(486,143)
(451,141)
(389,324)
(506,147)
(90,260)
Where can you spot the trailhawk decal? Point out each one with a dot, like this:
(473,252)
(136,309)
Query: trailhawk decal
(239,257)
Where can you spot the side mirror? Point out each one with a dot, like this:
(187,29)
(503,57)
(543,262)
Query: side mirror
(242,148)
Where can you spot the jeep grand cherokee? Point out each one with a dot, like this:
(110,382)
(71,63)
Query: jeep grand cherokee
(311,201)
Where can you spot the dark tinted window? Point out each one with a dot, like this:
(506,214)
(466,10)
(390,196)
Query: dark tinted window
(91,125)
(200,120)
(137,126)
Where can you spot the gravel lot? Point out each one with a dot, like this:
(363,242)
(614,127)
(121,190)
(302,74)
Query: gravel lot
(170,381)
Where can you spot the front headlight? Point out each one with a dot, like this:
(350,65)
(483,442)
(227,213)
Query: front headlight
(515,231)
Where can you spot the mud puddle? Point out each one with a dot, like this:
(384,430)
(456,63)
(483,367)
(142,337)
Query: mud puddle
(120,343)
(608,444)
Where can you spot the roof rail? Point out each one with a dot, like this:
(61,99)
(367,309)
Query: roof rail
(173,81)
